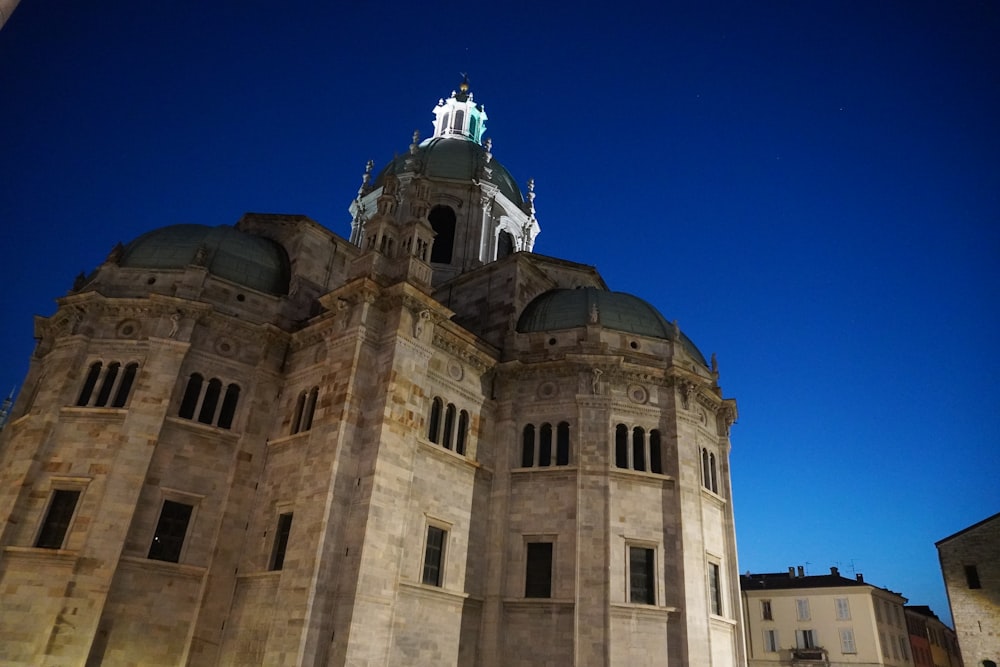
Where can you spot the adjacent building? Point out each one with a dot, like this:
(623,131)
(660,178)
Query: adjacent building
(932,643)
(792,618)
(970,565)
(424,444)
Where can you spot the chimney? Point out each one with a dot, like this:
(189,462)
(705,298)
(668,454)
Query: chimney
(791,572)
(834,571)
(802,571)
(860,577)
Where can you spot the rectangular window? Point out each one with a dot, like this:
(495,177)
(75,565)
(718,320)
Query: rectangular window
(847,641)
(765,610)
(805,639)
(281,540)
(642,583)
(170,531)
(434,556)
(843,609)
(885,646)
(715,588)
(57,519)
(802,609)
(771,641)
(538,570)
(904,648)
(972,576)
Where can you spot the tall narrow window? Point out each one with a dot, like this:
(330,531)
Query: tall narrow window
(528,446)
(655,455)
(545,445)
(210,402)
(843,609)
(442,219)
(191,395)
(463,432)
(765,610)
(300,405)
(434,428)
(128,378)
(621,446)
(505,244)
(434,556)
(771,641)
(642,583)
(449,426)
(310,409)
(57,519)
(972,576)
(284,529)
(715,588)
(107,386)
(562,444)
(171,529)
(88,385)
(538,570)
(712,468)
(638,449)
(228,410)
(847,641)
(802,609)
(706,476)
(459,121)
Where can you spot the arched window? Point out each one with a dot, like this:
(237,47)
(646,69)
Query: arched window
(621,446)
(706,476)
(545,445)
(442,219)
(108,385)
(310,409)
(459,120)
(528,446)
(562,444)
(463,431)
(434,430)
(712,469)
(210,401)
(203,398)
(449,426)
(128,378)
(89,384)
(229,406)
(638,449)
(472,126)
(655,455)
(505,244)
(191,395)
(300,404)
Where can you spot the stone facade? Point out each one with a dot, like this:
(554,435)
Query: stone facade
(970,565)
(269,445)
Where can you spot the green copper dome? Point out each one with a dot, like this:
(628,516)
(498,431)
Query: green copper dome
(570,308)
(245,259)
(455,158)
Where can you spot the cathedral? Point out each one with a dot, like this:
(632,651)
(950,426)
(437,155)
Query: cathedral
(423,444)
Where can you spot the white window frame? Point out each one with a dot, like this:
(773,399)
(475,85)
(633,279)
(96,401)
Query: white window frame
(843,607)
(802,609)
(771,644)
(847,643)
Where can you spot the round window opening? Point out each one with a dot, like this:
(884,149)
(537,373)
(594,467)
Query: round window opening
(552,341)
(150,280)
(241,297)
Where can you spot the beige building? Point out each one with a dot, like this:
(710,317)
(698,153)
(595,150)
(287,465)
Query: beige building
(267,444)
(970,564)
(797,619)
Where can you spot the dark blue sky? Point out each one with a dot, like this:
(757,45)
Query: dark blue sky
(811,188)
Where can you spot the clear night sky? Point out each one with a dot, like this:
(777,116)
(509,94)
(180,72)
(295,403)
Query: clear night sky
(811,188)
